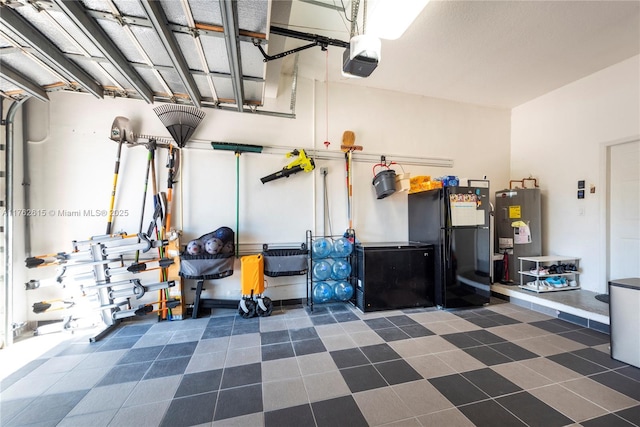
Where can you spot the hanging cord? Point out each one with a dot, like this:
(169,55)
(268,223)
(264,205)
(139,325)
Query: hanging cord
(326,205)
(326,85)
(237,204)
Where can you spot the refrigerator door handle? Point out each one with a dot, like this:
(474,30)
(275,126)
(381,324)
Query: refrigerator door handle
(446,241)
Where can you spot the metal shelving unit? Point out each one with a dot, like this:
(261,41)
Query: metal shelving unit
(313,281)
(534,267)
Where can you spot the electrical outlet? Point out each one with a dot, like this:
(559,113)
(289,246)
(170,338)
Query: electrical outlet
(324,170)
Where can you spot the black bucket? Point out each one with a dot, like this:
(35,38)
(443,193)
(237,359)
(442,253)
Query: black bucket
(385,183)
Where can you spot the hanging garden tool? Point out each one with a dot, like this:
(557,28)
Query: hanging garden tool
(302,163)
(158,205)
(237,149)
(52,305)
(348,147)
(120,132)
(167,232)
(151,147)
(173,163)
(181,121)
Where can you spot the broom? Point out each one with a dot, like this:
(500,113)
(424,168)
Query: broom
(238,149)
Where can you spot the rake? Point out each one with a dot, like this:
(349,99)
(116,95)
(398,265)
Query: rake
(180,120)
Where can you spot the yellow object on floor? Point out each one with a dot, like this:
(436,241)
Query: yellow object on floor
(252,274)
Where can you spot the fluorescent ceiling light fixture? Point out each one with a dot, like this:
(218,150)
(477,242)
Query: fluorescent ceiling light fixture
(389,19)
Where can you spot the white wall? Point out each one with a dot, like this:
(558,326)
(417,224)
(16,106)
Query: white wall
(476,138)
(72,169)
(559,138)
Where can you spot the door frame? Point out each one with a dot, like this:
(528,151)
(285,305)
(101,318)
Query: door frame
(605,206)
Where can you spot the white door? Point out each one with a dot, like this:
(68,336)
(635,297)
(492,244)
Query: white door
(624,210)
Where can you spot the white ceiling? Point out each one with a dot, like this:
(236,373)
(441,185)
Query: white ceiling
(202,52)
(198,52)
(493,53)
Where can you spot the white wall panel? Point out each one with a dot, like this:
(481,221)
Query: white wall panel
(73,168)
(559,139)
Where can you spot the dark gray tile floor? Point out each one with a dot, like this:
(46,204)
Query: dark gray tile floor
(501,365)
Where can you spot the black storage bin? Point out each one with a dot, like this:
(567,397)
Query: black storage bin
(285,262)
(206,266)
(394,275)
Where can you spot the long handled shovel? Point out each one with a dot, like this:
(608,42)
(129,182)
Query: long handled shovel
(119,132)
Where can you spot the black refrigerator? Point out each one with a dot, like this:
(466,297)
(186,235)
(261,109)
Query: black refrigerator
(456,221)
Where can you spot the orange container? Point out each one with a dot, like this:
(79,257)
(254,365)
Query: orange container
(423,183)
(252,274)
